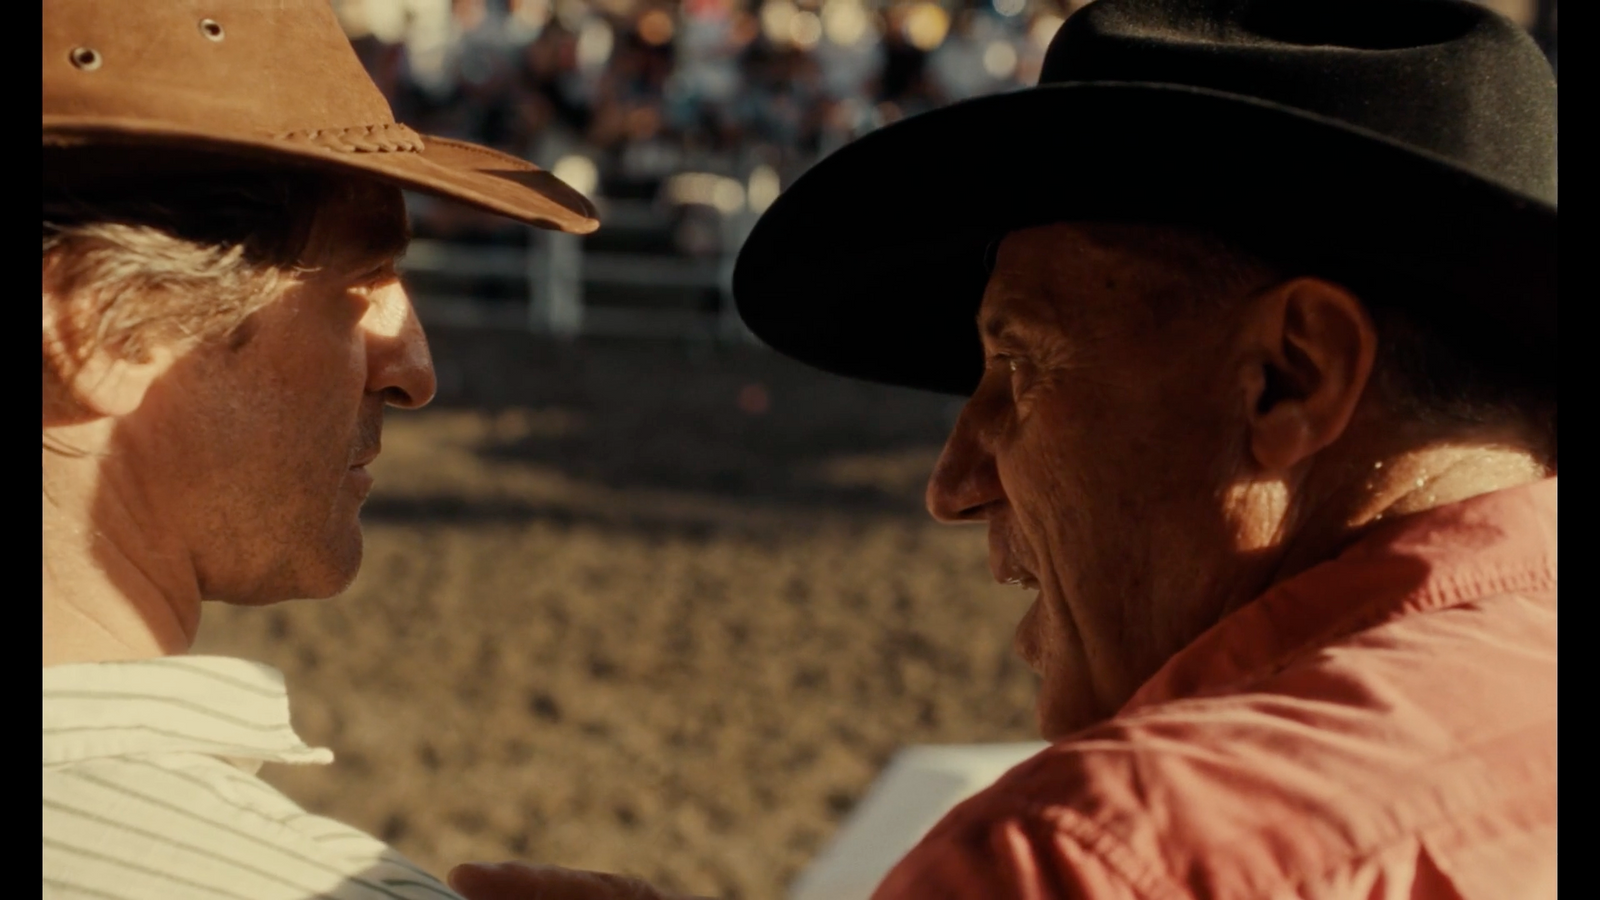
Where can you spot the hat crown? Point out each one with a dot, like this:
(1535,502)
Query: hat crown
(1447,77)
(213,65)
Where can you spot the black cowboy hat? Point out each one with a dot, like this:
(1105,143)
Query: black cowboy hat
(1410,142)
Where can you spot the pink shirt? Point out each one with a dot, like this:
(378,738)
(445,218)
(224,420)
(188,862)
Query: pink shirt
(1380,726)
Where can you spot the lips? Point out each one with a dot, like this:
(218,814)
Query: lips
(369,438)
(1017,577)
(1010,564)
(1005,563)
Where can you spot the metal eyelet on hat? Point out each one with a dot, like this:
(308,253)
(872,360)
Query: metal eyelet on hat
(212,29)
(86,58)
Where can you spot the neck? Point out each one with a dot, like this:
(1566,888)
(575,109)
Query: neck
(110,591)
(1369,489)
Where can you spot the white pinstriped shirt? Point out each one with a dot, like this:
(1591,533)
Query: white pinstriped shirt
(150,792)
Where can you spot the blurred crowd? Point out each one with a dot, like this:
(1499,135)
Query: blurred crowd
(620,94)
(735,97)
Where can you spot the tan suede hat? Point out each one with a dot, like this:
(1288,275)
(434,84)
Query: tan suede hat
(269,82)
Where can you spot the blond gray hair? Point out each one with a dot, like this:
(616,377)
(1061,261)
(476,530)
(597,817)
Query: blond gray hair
(186,260)
(189,256)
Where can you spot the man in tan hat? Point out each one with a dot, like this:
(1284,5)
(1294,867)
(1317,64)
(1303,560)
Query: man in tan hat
(223,328)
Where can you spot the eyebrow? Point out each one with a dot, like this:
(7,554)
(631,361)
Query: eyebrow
(992,326)
(394,243)
(381,247)
(996,326)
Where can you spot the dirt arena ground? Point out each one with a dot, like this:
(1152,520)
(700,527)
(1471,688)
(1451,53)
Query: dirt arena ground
(641,607)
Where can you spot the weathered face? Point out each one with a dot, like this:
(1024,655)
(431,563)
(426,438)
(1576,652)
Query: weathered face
(1099,448)
(253,452)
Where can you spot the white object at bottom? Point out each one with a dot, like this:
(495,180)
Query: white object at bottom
(917,788)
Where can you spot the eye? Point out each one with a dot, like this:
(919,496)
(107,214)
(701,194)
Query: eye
(362,291)
(376,277)
(1023,376)
(364,287)
(1016,365)
(1018,368)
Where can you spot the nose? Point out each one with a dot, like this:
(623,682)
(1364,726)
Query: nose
(399,365)
(965,482)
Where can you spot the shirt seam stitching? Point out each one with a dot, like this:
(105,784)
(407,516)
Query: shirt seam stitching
(1451,589)
(1149,881)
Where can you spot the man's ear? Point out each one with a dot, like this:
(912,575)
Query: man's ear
(101,380)
(1313,350)
(113,385)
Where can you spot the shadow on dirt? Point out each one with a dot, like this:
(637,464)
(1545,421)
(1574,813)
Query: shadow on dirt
(728,423)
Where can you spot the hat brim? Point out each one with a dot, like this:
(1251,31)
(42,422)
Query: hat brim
(872,264)
(477,176)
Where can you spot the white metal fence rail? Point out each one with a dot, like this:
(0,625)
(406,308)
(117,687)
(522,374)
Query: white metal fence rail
(556,271)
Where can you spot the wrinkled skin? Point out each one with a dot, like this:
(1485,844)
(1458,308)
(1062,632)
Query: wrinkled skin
(1148,460)
(228,468)
(256,456)
(1096,448)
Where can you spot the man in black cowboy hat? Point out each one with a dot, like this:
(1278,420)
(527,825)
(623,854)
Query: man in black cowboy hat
(1254,302)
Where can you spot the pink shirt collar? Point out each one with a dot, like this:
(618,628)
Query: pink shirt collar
(1501,542)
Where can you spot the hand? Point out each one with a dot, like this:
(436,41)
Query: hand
(520,881)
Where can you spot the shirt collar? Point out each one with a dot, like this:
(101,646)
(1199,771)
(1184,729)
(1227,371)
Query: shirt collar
(223,707)
(1501,542)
